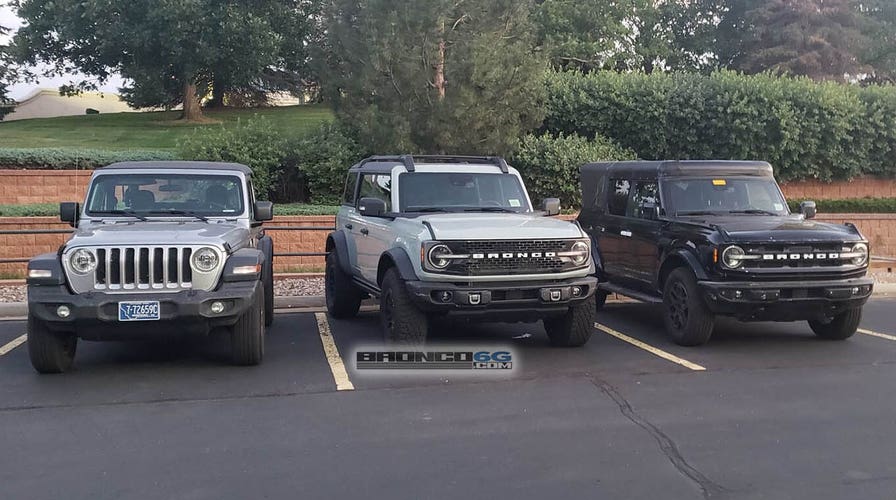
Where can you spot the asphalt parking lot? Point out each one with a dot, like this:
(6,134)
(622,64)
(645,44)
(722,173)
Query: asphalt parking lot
(764,411)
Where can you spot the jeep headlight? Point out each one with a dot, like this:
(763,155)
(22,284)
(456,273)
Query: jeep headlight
(580,252)
(82,261)
(437,256)
(733,257)
(204,260)
(859,254)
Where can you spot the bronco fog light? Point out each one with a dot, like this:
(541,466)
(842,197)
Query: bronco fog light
(82,261)
(216,307)
(204,260)
(576,291)
(444,296)
(733,257)
(63,311)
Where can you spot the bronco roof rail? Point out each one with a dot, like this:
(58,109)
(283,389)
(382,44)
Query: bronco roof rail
(408,160)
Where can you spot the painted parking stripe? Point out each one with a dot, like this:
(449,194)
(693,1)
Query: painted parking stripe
(12,345)
(649,348)
(876,334)
(337,367)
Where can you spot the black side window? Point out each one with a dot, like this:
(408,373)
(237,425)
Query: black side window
(617,198)
(351,186)
(377,186)
(646,192)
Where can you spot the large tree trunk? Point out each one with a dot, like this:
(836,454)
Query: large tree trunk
(192,107)
(439,79)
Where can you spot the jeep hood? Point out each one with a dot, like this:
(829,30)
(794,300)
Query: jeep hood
(504,226)
(755,228)
(159,233)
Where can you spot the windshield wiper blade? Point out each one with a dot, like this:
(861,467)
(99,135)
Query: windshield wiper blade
(696,212)
(129,213)
(188,213)
(756,211)
(489,209)
(427,209)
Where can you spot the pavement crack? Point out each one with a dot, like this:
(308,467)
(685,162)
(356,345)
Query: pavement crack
(707,486)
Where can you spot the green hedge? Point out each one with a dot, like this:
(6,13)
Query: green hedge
(73,159)
(847,206)
(805,129)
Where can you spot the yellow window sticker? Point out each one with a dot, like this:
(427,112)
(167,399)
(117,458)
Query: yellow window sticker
(719,182)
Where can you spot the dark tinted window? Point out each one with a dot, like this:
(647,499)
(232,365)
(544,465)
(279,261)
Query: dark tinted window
(351,186)
(461,191)
(377,186)
(646,192)
(711,196)
(617,198)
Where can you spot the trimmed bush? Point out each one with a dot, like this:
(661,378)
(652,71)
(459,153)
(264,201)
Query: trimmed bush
(852,205)
(73,159)
(550,165)
(322,158)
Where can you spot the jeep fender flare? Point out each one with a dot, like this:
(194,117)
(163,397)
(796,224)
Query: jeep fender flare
(679,257)
(399,259)
(266,246)
(336,243)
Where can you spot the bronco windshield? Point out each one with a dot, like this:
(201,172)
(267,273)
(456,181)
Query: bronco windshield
(450,192)
(723,196)
(165,195)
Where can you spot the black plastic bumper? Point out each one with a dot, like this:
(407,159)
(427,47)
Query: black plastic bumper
(785,301)
(512,301)
(94,315)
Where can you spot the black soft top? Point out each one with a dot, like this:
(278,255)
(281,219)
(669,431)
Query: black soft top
(178,165)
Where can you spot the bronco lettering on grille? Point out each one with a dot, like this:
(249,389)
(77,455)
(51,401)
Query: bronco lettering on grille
(800,256)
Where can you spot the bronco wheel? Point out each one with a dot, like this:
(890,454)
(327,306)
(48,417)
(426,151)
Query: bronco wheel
(50,352)
(840,327)
(343,297)
(688,321)
(247,337)
(403,323)
(574,328)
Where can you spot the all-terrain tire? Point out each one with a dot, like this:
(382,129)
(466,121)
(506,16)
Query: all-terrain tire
(267,279)
(247,336)
(840,327)
(402,322)
(574,328)
(50,352)
(688,321)
(343,297)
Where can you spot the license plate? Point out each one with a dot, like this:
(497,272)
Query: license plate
(147,310)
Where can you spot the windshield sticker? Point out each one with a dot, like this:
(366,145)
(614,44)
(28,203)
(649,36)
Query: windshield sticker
(719,182)
(514,202)
(779,207)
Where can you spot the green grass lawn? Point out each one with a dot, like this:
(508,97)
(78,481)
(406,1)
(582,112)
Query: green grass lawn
(156,130)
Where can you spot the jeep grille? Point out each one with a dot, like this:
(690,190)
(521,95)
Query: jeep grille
(503,265)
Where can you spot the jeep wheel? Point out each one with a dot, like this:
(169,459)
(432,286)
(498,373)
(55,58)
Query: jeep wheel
(688,321)
(267,281)
(50,352)
(600,298)
(574,328)
(247,337)
(343,297)
(840,327)
(403,323)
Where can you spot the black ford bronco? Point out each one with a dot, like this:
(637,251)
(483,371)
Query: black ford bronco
(710,238)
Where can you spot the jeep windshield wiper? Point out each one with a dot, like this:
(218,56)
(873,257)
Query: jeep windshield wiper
(755,211)
(489,209)
(188,213)
(696,212)
(129,213)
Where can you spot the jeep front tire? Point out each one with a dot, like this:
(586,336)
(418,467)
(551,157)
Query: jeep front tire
(403,323)
(840,327)
(343,297)
(574,328)
(688,321)
(50,352)
(247,337)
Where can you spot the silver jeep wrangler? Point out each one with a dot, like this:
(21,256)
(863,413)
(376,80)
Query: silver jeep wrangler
(159,248)
(436,236)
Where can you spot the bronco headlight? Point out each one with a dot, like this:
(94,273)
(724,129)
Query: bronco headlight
(437,256)
(82,261)
(733,257)
(859,253)
(204,260)
(580,251)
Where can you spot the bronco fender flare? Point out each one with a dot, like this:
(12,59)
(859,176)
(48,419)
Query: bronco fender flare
(336,243)
(398,258)
(678,257)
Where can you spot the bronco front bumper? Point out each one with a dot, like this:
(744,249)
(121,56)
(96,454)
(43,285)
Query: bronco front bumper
(786,300)
(94,315)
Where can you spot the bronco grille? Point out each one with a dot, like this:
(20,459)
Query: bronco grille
(503,257)
(784,256)
(143,268)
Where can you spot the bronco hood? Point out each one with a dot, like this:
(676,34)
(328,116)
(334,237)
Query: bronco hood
(750,228)
(503,226)
(159,233)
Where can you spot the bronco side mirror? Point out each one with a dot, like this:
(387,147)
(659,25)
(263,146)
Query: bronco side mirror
(68,212)
(807,208)
(372,207)
(551,206)
(264,210)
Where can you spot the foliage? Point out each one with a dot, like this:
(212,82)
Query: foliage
(73,159)
(7,74)
(880,54)
(850,206)
(322,158)
(431,76)
(550,165)
(805,129)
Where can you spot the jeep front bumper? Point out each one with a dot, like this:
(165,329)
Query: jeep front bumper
(94,315)
(786,300)
(512,301)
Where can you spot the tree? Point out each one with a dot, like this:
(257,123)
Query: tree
(821,39)
(433,76)
(172,50)
(880,23)
(582,34)
(7,74)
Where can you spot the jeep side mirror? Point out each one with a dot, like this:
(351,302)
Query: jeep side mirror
(264,210)
(68,212)
(650,211)
(550,206)
(807,208)
(372,207)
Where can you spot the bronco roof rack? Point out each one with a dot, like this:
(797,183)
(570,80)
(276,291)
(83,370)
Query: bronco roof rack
(408,160)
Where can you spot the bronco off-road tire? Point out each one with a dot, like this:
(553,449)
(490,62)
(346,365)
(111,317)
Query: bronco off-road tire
(688,321)
(343,297)
(574,328)
(50,352)
(600,298)
(403,323)
(247,337)
(267,280)
(840,327)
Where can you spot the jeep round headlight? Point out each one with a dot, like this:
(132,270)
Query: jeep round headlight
(82,261)
(204,260)
(580,250)
(860,250)
(733,257)
(436,256)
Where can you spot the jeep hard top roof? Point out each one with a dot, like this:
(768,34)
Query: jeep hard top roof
(384,164)
(677,168)
(178,165)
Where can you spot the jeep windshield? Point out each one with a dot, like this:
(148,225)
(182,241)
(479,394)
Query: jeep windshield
(461,192)
(165,195)
(723,196)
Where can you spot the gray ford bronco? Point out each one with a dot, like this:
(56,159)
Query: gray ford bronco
(159,248)
(437,236)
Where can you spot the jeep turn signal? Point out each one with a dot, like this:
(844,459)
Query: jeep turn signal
(247,269)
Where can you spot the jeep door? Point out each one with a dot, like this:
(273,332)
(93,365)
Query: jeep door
(643,225)
(374,235)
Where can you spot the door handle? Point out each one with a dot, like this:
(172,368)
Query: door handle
(365,231)
(348,226)
(627,234)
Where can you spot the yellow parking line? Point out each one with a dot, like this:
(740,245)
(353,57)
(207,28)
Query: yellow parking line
(12,345)
(649,348)
(332,352)
(876,334)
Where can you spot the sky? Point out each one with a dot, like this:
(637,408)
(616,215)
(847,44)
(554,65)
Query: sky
(19,90)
